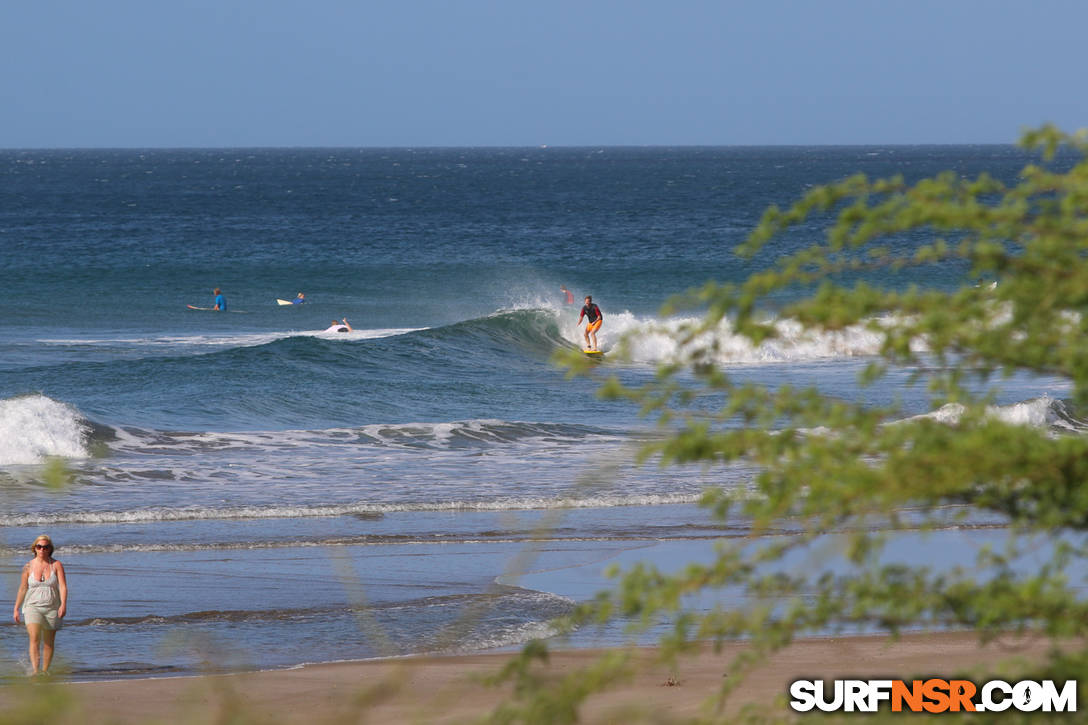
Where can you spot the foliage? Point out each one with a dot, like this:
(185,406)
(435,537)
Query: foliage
(860,474)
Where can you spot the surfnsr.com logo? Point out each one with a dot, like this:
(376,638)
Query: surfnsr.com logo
(933,695)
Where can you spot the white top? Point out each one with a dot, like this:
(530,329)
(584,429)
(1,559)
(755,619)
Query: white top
(44,594)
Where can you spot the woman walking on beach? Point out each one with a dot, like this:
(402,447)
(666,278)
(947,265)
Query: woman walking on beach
(43,597)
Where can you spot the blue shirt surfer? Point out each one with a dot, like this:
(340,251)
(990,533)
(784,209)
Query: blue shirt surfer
(220,300)
(299,300)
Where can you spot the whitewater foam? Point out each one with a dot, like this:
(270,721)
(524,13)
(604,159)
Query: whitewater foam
(437,435)
(652,341)
(197,513)
(793,342)
(360,334)
(511,636)
(227,340)
(1042,412)
(35,427)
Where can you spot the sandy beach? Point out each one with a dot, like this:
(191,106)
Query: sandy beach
(447,689)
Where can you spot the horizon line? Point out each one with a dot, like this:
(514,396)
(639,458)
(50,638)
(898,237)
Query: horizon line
(526,147)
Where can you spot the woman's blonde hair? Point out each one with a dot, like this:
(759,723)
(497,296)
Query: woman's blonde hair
(46,539)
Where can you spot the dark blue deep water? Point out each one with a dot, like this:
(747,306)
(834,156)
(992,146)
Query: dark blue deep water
(246,477)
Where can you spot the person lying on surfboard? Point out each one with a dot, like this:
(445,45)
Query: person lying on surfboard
(299,300)
(341,326)
(594,318)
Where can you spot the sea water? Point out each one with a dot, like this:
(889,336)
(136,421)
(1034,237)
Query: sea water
(249,490)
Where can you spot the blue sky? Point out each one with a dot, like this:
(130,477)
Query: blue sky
(145,73)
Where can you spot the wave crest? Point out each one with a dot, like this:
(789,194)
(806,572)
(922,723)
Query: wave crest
(35,427)
(1042,412)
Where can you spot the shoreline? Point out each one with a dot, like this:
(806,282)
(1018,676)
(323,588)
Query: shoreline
(429,688)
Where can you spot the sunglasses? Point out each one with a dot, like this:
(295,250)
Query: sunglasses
(41,546)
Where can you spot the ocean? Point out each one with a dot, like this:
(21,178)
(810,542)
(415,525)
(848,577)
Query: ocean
(250,491)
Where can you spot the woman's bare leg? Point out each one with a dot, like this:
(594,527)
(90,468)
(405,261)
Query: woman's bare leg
(48,636)
(35,633)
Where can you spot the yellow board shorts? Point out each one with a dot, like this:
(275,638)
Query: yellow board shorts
(594,326)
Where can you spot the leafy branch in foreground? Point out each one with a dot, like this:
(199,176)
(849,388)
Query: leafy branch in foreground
(856,475)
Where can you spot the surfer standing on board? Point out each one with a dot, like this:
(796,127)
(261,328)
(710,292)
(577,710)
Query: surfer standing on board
(594,318)
(220,300)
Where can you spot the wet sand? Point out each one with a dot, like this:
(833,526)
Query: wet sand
(448,689)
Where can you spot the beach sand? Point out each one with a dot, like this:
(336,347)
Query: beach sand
(447,689)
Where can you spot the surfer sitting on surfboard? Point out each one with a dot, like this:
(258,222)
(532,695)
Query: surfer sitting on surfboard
(300,299)
(220,300)
(594,318)
(341,326)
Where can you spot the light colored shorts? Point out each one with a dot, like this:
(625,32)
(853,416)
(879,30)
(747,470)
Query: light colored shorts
(47,618)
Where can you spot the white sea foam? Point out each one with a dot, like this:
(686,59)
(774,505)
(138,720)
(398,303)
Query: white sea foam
(363,540)
(283,512)
(654,341)
(792,343)
(33,427)
(361,334)
(226,340)
(1042,412)
(511,636)
(436,435)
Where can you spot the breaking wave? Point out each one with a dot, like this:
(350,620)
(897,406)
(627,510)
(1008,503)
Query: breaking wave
(35,427)
(1042,412)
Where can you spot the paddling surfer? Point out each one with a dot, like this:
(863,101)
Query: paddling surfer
(341,326)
